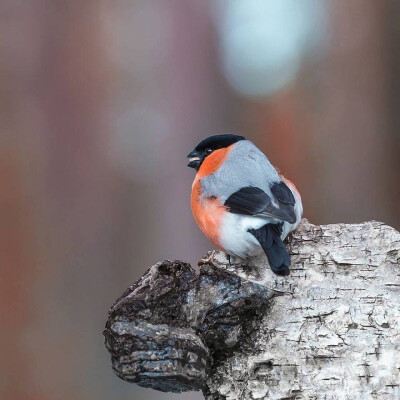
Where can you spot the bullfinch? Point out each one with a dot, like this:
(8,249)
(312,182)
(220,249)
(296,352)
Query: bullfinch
(240,202)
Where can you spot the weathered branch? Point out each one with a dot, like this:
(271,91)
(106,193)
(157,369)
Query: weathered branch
(331,330)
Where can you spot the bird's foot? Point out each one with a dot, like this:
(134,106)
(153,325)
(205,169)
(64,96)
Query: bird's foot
(210,258)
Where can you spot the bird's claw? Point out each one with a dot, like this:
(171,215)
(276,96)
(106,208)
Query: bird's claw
(208,259)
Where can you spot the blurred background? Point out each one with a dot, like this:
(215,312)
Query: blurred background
(100,101)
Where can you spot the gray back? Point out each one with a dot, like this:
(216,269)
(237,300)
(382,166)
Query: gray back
(245,166)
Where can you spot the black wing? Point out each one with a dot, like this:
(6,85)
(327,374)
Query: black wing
(254,201)
(283,193)
(248,201)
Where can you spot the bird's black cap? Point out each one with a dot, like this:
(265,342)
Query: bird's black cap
(218,141)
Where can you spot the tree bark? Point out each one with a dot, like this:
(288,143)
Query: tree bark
(331,330)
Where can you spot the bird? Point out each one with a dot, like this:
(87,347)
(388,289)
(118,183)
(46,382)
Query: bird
(240,201)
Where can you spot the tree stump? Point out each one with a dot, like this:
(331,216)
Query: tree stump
(330,330)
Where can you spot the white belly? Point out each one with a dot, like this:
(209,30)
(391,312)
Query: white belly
(235,238)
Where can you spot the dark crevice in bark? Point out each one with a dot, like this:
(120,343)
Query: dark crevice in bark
(170,327)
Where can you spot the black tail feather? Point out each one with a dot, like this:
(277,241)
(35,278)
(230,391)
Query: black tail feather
(269,237)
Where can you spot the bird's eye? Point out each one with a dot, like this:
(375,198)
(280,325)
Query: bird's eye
(208,151)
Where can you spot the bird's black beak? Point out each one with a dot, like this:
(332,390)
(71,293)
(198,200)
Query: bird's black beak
(195,159)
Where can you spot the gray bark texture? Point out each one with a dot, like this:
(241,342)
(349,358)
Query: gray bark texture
(331,330)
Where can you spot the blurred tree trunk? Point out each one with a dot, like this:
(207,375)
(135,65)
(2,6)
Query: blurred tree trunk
(17,261)
(18,258)
(393,86)
(55,209)
(336,112)
(81,206)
